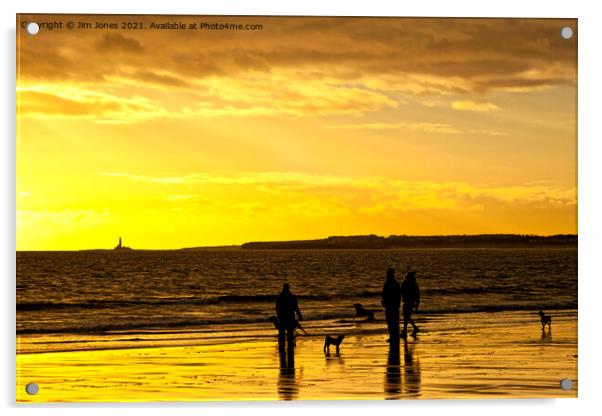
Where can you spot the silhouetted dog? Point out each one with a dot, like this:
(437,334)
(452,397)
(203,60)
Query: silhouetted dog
(360,312)
(274,320)
(328,341)
(545,320)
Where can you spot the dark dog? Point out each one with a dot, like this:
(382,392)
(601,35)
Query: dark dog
(360,312)
(328,341)
(545,320)
(274,320)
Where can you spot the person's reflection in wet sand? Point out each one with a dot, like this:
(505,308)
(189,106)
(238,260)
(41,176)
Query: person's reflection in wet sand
(288,389)
(411,372)
(393,373)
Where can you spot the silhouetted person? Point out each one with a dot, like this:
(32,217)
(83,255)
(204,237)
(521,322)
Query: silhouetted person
(410,293)
(391,299)
(286,309)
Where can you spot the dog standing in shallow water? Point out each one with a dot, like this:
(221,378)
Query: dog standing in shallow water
(360,312)
(328,341)
(545,320)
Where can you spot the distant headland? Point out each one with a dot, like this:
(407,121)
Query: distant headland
(376,242)
(434,241)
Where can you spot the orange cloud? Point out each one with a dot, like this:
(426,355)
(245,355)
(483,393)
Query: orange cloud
(441,128)
(480,107)
(404,194)
(418,56)
(52,101)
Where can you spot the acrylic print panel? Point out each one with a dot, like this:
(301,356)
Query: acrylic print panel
(295,208)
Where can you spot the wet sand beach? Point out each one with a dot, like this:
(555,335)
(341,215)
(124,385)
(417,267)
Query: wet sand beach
(468,355)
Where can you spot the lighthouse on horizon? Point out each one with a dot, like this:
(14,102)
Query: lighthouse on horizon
(120,246)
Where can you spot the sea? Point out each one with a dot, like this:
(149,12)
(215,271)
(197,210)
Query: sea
(233,291)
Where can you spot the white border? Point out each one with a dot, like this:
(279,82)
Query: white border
(590,207)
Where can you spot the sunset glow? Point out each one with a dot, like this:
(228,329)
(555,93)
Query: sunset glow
(307,128)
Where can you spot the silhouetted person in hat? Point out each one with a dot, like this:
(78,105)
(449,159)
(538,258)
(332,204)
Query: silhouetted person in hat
(391,299)
(286,309)
(410,293)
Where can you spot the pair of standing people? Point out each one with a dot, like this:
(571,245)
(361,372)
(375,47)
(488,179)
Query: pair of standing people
(392,297)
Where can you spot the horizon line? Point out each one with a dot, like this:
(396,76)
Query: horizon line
(310,239)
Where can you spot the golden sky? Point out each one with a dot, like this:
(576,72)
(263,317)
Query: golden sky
(307,128)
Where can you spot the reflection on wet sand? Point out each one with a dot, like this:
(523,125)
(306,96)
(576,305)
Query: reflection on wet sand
(394,387)
(334,358)
(393,373)
(411,372)
(447,362)
(288,388)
